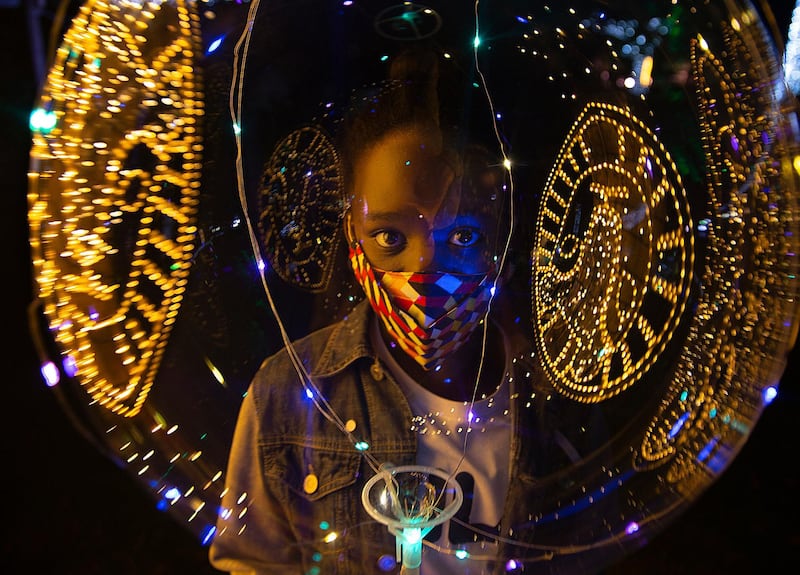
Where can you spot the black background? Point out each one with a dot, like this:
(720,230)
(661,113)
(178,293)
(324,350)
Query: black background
(69,509)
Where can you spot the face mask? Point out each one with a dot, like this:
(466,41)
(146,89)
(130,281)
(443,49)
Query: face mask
(428,314)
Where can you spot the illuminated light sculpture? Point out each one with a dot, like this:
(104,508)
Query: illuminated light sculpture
(114,192)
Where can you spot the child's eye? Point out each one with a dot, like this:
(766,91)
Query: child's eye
(389,239)
(464,237)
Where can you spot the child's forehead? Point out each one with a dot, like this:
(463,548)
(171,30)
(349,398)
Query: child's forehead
(470,176)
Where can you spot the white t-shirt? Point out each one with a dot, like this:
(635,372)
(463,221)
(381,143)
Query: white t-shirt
(481,466)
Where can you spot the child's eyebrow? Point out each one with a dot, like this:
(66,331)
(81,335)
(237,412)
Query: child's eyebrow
(389,216)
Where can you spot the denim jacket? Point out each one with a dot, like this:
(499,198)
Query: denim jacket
(292,503)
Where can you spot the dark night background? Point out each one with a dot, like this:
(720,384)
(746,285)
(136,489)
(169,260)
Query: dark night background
(69,509)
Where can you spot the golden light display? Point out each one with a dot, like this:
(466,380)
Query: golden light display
(113,191)
(613,256)
(749,277)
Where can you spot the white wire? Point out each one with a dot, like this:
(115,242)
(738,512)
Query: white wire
(241,50)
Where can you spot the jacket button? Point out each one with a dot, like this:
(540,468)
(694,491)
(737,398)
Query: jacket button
(376,370)
(310,483)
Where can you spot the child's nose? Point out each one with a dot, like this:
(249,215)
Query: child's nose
(423,258)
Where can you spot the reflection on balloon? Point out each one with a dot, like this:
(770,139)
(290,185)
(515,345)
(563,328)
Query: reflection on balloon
(180,236)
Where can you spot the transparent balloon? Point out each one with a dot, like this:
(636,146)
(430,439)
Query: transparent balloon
(192,213)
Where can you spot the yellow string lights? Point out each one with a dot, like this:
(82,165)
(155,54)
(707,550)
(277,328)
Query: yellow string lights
(113,191)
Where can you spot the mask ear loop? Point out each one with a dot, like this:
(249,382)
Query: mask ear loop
(349,232)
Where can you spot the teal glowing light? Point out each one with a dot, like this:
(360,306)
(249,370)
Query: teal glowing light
(42,121)
(362,446)
(412,535)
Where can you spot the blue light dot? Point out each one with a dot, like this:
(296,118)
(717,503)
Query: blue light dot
(172,493)
(324,525)
(207,534)
(362,446)
(214,45)
(770,393)
(50,374)
(70,366)
(632,527)
(386,562)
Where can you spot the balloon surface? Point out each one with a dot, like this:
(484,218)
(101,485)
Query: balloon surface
(188,191)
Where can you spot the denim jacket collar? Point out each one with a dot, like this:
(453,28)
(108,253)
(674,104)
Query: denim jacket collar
(347,341)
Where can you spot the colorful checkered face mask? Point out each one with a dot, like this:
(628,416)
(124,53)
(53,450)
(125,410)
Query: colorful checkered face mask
(428,314)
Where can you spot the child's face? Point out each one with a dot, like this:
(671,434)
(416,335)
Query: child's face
(411,213)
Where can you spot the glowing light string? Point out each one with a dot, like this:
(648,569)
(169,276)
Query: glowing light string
(235,105)
(506,247)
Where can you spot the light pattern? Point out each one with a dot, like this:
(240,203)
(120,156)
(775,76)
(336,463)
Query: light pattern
(113,192)
(749,275)
(300,207)
(613,256)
